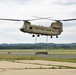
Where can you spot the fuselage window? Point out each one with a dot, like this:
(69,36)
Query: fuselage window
(30,27)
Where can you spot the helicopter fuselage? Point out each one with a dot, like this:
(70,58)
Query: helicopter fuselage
(54,30)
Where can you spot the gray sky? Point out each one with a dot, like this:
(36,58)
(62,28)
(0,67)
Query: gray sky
(25,9)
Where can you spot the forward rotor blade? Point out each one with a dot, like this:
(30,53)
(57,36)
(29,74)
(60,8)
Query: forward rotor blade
(19,19)
(11,19)
(34,19)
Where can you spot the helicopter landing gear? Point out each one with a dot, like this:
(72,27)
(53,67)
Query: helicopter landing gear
(38,35)
(51,37)
(33,35)
(56,36)
(46,39)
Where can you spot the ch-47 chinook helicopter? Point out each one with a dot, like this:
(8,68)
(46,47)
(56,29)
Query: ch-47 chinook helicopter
(55,29)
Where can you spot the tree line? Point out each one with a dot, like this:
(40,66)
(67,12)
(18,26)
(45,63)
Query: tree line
(38,46)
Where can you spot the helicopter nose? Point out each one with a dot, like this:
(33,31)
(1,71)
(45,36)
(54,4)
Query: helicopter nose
(22,29)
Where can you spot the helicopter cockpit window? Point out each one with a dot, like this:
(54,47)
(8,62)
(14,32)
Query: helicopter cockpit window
(30,27)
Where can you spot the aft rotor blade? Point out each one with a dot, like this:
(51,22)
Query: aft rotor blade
(60,20)
(42,17)
(47,18)
(68,19)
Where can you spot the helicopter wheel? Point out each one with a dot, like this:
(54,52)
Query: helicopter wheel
(56,36)
(51,37)
(38,35)
(33,35)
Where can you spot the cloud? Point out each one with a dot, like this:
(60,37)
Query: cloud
(65,2)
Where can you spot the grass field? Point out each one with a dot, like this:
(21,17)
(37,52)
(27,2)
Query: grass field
(15,57)
(54,51)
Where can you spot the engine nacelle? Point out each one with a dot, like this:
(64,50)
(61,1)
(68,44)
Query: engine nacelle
(57,25)
(27,23)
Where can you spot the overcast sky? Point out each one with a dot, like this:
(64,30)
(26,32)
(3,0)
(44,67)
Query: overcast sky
(26,9)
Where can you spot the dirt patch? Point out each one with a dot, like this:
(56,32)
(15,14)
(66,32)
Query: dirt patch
(40,72)
(43,62)
(35,67)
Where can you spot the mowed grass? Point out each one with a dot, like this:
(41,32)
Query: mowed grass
(53,51)
(16,57)
(66,51)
